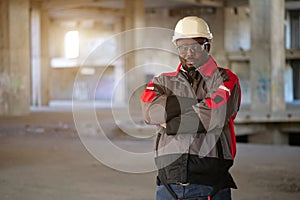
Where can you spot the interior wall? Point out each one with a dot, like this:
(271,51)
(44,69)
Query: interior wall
(62,79)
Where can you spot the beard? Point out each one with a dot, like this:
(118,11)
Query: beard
(192,63)
(188,65)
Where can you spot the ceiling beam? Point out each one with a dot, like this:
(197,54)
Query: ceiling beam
(208,3)
(289,4)
(68,4)
(236,3)
(292,5)
(86,13)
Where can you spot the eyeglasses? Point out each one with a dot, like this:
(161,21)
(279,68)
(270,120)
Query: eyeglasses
(183,49)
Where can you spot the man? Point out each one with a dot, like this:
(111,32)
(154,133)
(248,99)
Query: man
(193,109)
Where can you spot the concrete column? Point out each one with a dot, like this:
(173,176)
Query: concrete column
(129,11)
(15,57)
(277,10)
(134,18)
(35,57)
(139,14)
(40,61)
(267,64)
(267,55)
(45,58)
(119,69)
(4,50)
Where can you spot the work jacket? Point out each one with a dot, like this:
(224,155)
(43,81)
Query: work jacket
(197,144)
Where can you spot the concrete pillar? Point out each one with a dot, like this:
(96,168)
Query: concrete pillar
(40,62)
(129,11)
(277,10)
(45,58)
(134,18)
(139,13)
(4,52)
(134,14)
(35,58)
(267,55)
(267,64)
(119,93)
(14,57)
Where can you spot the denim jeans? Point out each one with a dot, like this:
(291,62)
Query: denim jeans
(191,191)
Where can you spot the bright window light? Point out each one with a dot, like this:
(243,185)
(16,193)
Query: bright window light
(72,44)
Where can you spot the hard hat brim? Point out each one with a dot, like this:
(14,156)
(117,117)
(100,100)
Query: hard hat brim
(179,36)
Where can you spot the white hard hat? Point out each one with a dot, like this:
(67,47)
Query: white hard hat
(191,27)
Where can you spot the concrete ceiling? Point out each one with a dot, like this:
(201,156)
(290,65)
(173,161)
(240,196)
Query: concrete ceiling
(99,9)
(66,9)
(120,4)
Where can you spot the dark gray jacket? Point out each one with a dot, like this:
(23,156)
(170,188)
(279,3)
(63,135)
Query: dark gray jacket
(197,143)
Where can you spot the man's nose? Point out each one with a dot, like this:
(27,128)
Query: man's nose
(190,51)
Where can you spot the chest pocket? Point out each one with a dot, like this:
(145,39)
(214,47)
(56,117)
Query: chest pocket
(180,87)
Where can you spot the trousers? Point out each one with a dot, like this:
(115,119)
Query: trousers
(191,191)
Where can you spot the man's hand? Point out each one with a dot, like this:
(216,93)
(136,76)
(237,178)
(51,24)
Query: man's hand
(164,125)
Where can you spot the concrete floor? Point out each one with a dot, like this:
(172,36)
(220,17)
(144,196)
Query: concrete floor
(42,157)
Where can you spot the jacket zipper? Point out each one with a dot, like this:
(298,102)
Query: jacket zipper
(187,84)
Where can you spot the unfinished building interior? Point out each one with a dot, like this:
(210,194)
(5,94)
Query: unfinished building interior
(60,60)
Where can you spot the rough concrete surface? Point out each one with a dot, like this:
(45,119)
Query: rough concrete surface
(42,157)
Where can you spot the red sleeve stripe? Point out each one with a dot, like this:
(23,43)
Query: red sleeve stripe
(223,87)
(149,88)
(148,94)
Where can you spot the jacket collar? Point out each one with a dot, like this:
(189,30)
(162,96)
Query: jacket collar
(209,67)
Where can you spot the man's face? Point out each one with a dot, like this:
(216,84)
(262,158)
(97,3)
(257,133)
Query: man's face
(193,52)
